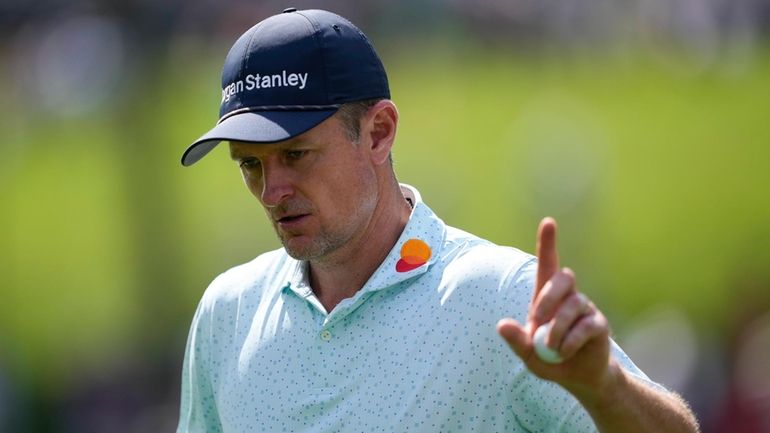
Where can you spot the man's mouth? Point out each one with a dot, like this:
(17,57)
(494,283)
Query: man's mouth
(291,221)
(291,218)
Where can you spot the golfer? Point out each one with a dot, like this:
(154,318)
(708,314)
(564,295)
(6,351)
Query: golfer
(375,316)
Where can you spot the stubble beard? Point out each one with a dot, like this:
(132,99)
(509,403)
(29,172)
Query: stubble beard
(323,244)
(327,240)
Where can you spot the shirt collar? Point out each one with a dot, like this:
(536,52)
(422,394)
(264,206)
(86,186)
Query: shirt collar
(416,249)
(413,254)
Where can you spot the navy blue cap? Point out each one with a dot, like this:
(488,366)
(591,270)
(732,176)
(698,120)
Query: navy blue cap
(289,73)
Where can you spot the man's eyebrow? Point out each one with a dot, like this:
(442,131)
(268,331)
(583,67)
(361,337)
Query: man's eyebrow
(292,144)
(235,155)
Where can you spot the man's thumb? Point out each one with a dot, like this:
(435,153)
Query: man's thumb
(516,336)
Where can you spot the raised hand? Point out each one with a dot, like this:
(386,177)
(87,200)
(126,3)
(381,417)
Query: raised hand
(579,332)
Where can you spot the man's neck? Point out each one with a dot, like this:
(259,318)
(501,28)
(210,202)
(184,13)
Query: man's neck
(343,274)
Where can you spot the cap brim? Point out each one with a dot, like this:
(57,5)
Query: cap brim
(256,127)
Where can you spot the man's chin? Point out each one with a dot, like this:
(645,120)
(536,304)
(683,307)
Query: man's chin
(300,249)
(307,248)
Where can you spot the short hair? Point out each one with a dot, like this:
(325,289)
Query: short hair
(350,114)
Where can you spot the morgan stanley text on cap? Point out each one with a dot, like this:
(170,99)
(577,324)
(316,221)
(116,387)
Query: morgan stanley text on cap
(289,73)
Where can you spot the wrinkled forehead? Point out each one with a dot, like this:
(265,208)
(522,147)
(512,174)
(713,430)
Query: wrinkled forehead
(241,149)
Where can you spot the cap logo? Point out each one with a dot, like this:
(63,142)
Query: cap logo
(414,254)
(268,81)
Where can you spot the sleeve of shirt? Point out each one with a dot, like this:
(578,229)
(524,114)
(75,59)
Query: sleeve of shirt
(198,411)
(540,405)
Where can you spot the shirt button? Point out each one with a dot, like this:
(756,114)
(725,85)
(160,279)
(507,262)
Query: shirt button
(326,335)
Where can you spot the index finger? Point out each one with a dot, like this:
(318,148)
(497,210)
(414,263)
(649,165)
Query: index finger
(547,256)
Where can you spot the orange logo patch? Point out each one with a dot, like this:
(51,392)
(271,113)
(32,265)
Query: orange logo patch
(414,254)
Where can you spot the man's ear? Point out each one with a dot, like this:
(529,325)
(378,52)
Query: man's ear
(379,125)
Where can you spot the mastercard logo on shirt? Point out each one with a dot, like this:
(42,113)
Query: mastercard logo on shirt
(414,253)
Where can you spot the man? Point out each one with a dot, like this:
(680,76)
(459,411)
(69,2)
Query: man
(375,315)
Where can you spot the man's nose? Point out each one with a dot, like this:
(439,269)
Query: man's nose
(277,184)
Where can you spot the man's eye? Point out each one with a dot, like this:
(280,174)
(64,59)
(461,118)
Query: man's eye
(295,154)
(249,163)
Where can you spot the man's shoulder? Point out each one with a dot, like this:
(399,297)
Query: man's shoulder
(470,261)
(261,273)
(481,278)
(476,254)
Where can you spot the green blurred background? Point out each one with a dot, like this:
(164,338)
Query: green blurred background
(645,135)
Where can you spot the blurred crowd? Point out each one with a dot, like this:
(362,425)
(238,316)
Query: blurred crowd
(114,40)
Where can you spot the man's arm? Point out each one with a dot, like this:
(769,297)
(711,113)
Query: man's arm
(580,333)
(198,411)
(626,404)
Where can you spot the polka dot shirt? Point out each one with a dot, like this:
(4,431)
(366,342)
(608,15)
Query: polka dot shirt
(415,350)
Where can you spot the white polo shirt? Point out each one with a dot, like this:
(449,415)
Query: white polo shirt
(415,350)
